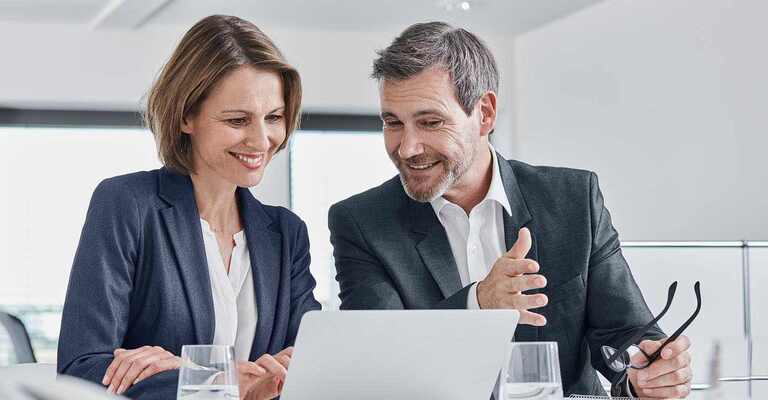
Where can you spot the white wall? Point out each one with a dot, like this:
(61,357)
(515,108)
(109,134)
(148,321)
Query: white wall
(666,101)
(72,67)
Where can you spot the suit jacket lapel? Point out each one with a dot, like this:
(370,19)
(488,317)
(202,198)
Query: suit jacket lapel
(434,248)
(182,221)
(265,249)
(519,218)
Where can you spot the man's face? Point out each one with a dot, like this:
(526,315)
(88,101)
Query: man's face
(428,136)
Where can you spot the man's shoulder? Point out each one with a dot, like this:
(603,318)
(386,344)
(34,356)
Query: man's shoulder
(553,190)
(388,195)
(544,176)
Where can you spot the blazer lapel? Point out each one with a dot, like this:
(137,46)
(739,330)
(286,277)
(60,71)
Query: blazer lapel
(265,249)
(434,248)
(182,221)
(519,218)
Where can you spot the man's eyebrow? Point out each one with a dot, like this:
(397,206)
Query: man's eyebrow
(427,112)
(387,114)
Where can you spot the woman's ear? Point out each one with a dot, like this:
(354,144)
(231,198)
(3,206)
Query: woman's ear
(187,125)
(487,105)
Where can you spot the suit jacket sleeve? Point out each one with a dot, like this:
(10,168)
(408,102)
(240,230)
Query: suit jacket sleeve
(96,309)
(302,284)
(615,305)
(363,279)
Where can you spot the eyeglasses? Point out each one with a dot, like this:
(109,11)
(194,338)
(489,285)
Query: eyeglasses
(620,360)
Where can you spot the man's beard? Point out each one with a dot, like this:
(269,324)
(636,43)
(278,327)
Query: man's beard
(453,170)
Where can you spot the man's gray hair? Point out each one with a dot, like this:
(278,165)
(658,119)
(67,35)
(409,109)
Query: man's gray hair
(437,44)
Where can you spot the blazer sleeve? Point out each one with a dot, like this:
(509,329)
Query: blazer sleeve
(302,284)
(364,282)
(615,305)
(96,308)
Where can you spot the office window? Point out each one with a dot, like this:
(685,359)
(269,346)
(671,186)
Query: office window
(327,167)
(47,176)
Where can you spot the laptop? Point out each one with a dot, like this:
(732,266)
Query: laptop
(435,354)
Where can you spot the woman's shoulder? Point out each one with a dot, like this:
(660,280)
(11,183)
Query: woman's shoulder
(135,185)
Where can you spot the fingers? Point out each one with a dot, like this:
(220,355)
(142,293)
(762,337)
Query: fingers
(119,366)
(531,318)
(250,368)
(679,377)
(167,364)
(522,246)
(272,366)
(131,366)
(522,283)
(661,367)
(287,351)
(670,392)
(513,268)
(115,364)
(679,346)
(138,366)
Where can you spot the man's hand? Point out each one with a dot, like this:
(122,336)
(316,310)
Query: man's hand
(669,376)
(131,366)
(263,379)
(511,275)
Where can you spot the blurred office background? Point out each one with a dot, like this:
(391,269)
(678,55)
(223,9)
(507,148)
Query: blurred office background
(664,99)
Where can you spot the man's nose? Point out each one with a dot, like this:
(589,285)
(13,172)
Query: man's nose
(410,144)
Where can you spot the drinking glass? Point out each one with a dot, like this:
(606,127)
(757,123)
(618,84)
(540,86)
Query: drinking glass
(531,371)
(208,372)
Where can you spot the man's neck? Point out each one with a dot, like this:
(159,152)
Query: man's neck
(473,186)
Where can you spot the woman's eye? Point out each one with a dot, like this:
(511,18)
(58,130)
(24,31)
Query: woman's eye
(274,118)
(237,121)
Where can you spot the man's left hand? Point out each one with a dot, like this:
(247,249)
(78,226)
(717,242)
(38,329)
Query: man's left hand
(669,376)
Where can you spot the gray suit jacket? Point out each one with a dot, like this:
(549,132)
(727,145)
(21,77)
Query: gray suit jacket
(392,253)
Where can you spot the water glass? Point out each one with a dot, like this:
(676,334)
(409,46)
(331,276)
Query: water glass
(531,371)
(208,372)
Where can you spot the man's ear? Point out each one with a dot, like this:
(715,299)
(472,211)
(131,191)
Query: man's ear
(487,106)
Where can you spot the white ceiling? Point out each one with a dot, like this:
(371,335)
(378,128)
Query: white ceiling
(502,16)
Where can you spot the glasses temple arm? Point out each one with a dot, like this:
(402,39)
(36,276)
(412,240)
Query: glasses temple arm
(679,331)
(640,332)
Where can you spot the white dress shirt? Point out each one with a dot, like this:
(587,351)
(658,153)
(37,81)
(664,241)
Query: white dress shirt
(477,240)
(234,299)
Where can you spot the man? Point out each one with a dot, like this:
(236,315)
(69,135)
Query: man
(461,227)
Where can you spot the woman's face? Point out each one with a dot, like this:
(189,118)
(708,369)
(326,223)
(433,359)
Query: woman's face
(239,127)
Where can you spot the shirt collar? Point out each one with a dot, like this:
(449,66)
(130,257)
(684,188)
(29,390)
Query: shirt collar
(496,190)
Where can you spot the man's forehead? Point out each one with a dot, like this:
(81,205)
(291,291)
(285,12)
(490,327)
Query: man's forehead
(422,93)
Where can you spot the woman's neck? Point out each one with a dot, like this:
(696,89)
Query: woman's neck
(216,202)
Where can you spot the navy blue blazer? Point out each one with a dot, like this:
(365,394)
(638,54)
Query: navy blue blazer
(140,277)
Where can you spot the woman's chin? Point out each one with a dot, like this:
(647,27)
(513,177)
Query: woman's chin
(249,180)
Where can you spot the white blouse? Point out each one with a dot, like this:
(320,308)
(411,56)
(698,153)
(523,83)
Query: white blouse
(234,298)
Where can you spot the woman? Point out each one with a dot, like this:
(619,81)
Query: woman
(185,254)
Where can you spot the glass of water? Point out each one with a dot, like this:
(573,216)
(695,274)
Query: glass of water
(208,372)
(531,371)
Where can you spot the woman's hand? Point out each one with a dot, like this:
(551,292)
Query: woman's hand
(131,366)
(263,379)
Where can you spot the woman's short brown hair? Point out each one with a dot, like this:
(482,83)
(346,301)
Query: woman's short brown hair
(212,48)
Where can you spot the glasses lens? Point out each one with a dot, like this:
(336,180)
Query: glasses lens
(620,364)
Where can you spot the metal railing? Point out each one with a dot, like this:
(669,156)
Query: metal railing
(745,246)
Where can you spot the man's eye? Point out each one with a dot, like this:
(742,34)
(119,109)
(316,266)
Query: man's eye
(392,124)
(237,121)
(433,124)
